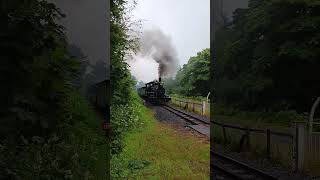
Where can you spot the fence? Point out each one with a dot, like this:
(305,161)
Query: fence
(291,147)
(312,149)
(199,107)
(312,141)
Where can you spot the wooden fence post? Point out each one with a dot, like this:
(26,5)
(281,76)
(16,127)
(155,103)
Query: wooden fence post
(248,138)
(300,146)
(224,134)
(268,144)
(192,106)
(203,107)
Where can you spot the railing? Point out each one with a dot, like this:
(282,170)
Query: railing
(312,159)
(199,107)
(292,145)
(247,134)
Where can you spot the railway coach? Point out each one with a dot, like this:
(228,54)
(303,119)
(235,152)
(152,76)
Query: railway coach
(99,96)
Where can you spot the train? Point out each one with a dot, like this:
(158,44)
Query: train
(99,96)
(154,93)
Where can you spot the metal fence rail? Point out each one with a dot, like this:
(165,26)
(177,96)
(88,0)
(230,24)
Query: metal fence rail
(296,141)
(247,134)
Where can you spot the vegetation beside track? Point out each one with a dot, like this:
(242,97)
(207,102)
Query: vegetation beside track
(155,150)
(47,128)
(275,119)
(85,141)
(77,149)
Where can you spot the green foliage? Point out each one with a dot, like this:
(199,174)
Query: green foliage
(282,118)
(124,118)
(76,151)
(35,68)
(85,139)
(268,57)
(47,130)
(196,98)
(137,164)
(156,151)
(122,45)
(193,78)
(124,100)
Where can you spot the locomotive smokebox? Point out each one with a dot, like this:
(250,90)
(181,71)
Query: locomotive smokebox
(159,79)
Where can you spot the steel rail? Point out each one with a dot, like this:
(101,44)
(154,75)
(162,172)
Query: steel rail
(176,111)
(225,172)
(250,169)
(253,130)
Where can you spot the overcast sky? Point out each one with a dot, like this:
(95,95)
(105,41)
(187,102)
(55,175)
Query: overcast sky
(86,26)
(187,22)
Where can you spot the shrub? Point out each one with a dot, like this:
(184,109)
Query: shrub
(76,150)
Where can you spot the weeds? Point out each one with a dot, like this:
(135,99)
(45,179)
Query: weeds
(153,150)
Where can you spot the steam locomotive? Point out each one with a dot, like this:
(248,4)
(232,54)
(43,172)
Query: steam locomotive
(154,93)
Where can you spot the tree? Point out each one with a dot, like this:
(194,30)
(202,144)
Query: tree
(192,79)
(122,44)
(35,66)
(36,76)
(269,56)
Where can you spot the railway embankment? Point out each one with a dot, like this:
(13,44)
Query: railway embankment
(162,148)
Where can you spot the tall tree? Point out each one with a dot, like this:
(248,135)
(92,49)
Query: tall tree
(122,44)
(193,78)
(271,61)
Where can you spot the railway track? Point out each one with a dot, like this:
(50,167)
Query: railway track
(224,167)
(186,116)
(200,125)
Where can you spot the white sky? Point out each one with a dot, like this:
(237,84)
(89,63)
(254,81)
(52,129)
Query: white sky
(187,22)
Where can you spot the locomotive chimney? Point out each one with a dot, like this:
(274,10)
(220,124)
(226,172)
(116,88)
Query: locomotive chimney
(159,79)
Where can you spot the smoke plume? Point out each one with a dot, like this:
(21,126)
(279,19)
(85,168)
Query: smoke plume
(158,46)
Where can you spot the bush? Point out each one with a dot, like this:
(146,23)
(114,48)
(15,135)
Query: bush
(76,150)
(285,117)
(124,118)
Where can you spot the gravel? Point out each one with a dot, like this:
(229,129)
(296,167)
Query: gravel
(176,122)
(165,116)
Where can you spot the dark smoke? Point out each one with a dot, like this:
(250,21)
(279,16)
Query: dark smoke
(158,46)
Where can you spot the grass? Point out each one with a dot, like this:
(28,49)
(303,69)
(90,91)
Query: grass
(156,151)
(252,122)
